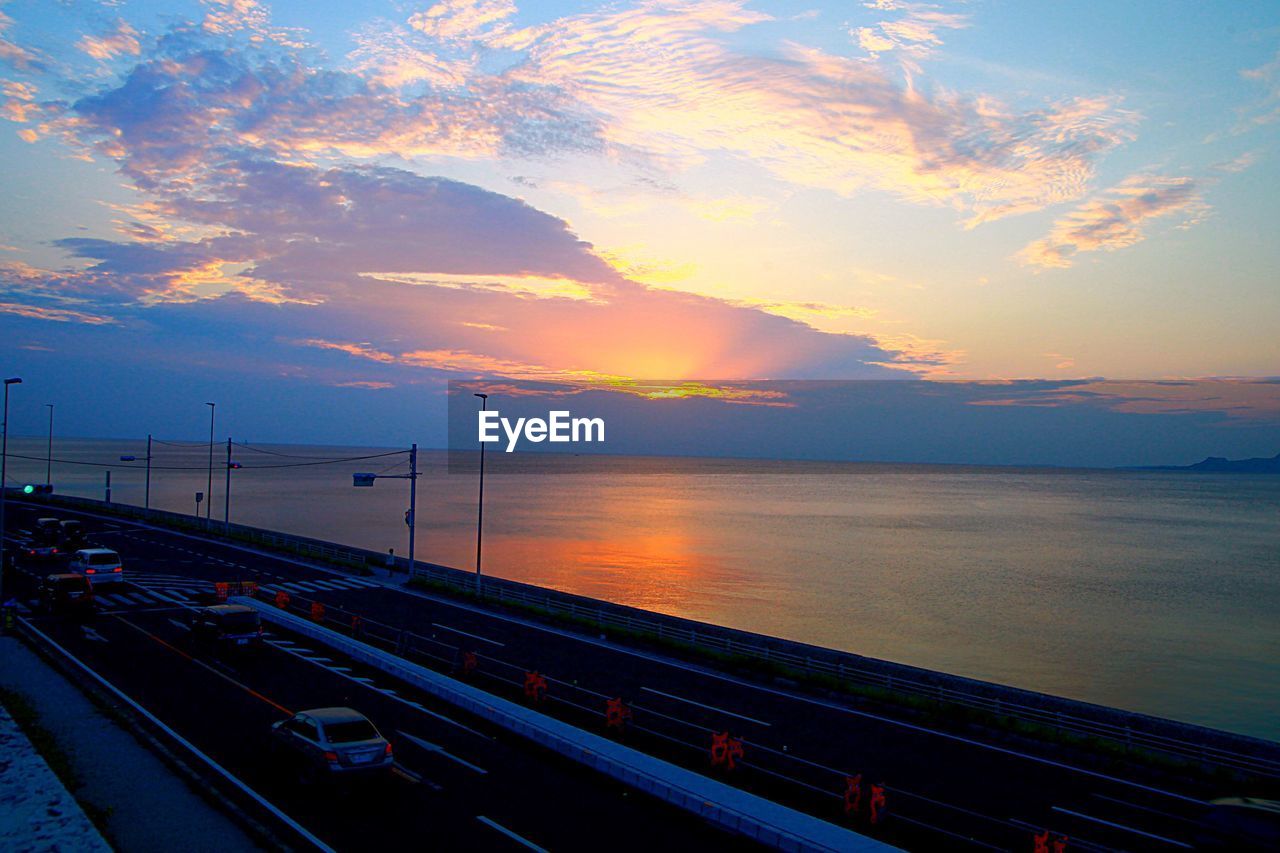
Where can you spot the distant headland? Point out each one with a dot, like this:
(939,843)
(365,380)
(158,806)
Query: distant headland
(1221,465)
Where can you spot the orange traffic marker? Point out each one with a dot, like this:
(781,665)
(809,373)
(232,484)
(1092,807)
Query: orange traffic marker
(469,662)
(282,600)
(1042,842)
(1060,844)
(535,686)
(222,589)
(317,611)
(853,794)
(877,803)
(616,713)
(356,624)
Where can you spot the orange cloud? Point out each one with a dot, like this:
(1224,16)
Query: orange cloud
(914,33)
(1115,220)
(122,41)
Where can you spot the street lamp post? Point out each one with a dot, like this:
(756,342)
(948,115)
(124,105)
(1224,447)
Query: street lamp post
(484,406)
(48,457)
(4,472)
(146,500)
(213,407)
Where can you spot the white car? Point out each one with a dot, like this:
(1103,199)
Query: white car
(99,565)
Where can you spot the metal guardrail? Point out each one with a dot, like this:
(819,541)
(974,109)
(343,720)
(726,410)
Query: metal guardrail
(827,663)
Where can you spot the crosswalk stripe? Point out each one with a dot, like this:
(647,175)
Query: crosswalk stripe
(329,585)
(295,587)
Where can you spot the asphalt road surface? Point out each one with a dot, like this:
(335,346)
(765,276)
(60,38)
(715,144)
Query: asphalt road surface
(942,789)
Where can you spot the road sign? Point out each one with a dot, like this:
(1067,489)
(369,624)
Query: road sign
(128,459)
(199,497)
(363,479)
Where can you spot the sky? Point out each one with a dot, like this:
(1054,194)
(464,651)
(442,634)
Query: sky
(318,213)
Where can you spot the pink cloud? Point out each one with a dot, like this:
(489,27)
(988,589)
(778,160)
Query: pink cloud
(1116,219)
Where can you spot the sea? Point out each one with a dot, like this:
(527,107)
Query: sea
(1155,591)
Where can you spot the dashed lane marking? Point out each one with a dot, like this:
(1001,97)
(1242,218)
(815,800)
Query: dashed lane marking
(436,748)
(519,839)
(706,707)
(465,634)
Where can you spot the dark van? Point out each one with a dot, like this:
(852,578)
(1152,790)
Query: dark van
(66,595)
(226,625)
(71,535)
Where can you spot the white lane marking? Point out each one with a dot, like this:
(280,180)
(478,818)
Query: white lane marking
(364,583)
(329,585)
(1142,808)
(182,625)
(707,707)
(434,747)
(91,634)
(1121,826)
(519,839)
(415,777)
(345,673)
(465,634)
(295,587)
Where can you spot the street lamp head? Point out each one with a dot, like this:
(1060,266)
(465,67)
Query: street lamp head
(482,396)
(211,404)
(16,380)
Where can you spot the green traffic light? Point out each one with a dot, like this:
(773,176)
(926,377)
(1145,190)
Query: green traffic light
(28,489)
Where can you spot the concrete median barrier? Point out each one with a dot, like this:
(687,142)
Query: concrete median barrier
(735,810)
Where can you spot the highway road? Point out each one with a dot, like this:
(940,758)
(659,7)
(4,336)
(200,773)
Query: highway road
(943,789)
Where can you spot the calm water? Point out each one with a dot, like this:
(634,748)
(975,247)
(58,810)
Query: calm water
(1158,592)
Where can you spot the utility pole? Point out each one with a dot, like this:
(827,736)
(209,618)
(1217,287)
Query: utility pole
(226,505)
(48,459)
(4,470)
(365,480)
(208,507)
(146,501)
(413,502)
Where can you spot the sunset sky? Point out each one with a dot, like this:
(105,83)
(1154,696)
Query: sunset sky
(336,207)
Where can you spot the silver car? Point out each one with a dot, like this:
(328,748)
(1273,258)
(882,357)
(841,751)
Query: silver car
(332,742)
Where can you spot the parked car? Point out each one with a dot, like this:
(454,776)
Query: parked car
(1241,823)
(231,625)
(43,545)
(71,535)
(332,743)
(66,594)
(99,565)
